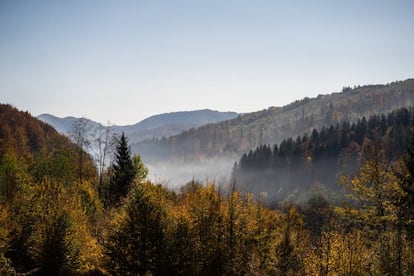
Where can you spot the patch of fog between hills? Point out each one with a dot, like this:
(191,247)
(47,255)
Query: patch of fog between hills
(175,174)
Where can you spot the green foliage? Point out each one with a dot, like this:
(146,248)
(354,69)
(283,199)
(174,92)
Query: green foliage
(123,171)
(59,165)
(141,171)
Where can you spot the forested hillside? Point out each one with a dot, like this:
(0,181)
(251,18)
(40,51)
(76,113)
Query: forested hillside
(47,199)
(22,135)
(54,222)
(236,136)
(312,164)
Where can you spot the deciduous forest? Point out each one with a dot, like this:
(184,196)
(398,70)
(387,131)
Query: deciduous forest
(61,215)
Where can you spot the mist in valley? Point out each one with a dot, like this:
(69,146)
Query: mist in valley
(175,174)
(296,183)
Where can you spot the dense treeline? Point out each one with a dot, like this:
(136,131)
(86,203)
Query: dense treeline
(234,137)
(297,168)
(54,223)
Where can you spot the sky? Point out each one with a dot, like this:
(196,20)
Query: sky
(122,61)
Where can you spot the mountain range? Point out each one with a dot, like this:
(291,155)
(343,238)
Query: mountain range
(239,135)
(204,144)
(210,151)
(161,125)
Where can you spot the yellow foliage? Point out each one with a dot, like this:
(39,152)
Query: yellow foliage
(4,229)
(62,224)
(341,253)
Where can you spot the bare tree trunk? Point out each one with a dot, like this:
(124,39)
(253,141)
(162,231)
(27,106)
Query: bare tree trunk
(80,134)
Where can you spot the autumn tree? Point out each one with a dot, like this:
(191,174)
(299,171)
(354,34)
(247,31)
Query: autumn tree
(5,264)
(247,235)
(202,206)
(141,171)
(180,243)
(289,261)
(406,176)
(404,201)
(136,243)
(379,203)
(61,241)
(8,176)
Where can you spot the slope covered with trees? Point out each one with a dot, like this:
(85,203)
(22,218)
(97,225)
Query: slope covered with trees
(21,134)
(239,135)
(46,212)
(54,223)
(299,167)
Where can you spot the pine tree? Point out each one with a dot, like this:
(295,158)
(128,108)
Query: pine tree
(123,170)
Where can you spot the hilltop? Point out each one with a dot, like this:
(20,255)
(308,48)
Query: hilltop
(160,125)
(236,136)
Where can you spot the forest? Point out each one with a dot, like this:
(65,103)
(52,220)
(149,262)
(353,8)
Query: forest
(60,214)
(313,163)
(234,137)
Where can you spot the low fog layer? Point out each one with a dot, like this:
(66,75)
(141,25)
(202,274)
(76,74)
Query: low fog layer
(174,174)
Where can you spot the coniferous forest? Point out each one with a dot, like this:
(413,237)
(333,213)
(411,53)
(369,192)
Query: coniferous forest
(314,162)
(62,213)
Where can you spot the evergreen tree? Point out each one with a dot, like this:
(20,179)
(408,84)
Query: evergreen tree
(123,170)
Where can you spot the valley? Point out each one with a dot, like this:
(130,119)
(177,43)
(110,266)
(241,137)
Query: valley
(233,189)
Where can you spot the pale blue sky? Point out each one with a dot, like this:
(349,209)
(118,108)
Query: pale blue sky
(125,60)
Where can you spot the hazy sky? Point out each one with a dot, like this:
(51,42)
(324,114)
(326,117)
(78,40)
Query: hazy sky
(125,60)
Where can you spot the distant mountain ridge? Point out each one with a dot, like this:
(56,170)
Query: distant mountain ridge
(63,125)
(196,117)
(237,136)
(161,125)
(168,124)
(210,150)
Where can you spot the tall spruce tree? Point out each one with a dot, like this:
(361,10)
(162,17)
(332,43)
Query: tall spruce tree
(123,170)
